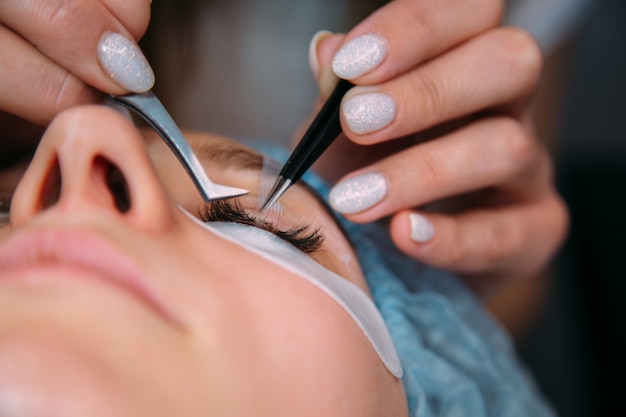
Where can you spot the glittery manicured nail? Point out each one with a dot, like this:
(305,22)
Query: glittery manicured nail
(369,112)
(124,62)
(421,228)
(360,55)
(358,193)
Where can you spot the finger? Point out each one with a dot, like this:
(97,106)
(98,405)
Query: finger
(492,69)
(488,246)
(489,152)
(32,86)
(72,32)
(323,44)
(133,15)
(405,33)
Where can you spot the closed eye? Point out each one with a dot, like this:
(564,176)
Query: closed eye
(304,237)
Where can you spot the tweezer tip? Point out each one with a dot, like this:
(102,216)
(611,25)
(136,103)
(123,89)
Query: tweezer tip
(230,193)
(280,186)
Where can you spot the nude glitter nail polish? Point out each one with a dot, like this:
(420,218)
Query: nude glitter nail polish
(421,228)
(358,193)
(124,62)
(360,55)
(366,113)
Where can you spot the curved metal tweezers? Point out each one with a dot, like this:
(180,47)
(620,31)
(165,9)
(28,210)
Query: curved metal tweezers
(149,108)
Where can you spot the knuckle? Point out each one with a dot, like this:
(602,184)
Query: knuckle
(61,90)
(480,248)
(517,145)
(431,92)
(497,9)
(59,13)
(458,249)
(560,220)
(65,92)
(521,51)
(502,241)
(421,18)
(456,254)
(430,170)
(492,10)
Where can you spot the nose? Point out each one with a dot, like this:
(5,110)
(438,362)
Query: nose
(92,161)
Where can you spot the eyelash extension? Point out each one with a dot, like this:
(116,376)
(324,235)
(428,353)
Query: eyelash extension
(302,237)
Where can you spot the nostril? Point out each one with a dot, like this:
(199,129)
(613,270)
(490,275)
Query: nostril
(51,190)
(116,183)
(111,175)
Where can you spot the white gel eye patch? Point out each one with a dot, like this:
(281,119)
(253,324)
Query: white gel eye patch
(353,300)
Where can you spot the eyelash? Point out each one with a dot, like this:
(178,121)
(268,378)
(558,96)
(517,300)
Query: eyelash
(302,237)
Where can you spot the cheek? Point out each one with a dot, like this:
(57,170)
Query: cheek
(277,337)
(91,359)
(261,333)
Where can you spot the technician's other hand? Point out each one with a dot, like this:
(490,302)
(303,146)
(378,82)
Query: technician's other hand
(55,54)
(441,138)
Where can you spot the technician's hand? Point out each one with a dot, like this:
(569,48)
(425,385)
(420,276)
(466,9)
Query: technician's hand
(55,54)
(440,138)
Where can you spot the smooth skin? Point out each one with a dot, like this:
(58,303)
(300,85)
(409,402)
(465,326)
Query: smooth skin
(462,132)
(230,333)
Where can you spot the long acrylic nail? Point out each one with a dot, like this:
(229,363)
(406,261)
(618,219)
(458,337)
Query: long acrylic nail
(358,193)
(422,229)
(360,55)
(366,113)
(124,62)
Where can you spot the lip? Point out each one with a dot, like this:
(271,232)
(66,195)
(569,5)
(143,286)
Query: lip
(83,250)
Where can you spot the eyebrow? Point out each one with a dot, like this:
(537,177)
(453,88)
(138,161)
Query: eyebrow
(230,155)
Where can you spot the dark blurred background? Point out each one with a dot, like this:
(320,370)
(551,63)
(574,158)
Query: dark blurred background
(577,346)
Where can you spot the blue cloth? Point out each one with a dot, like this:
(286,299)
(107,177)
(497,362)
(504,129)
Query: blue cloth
(457,360)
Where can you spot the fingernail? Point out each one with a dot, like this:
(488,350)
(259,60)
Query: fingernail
(326,79)
(360,55)
(313,61)
(124,62)
(358,193)
(421,228)
(366,113)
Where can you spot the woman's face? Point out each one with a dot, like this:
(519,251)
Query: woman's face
(113,301)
